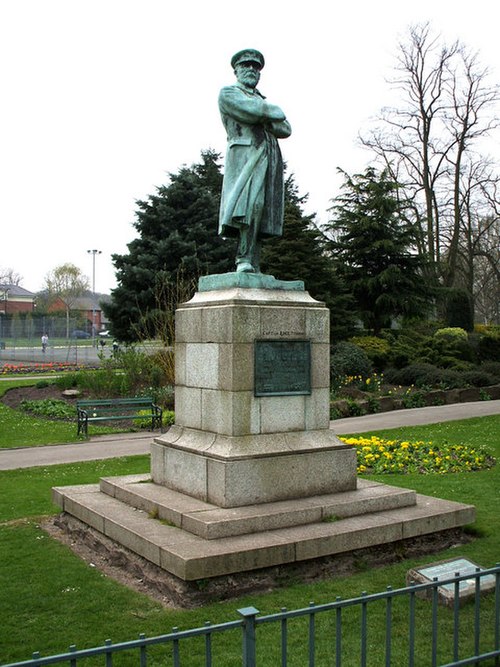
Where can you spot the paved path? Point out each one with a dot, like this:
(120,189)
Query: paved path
(414,417)
(128,444)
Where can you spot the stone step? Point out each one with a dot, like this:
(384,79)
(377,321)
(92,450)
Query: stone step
(191,557)
(212,522)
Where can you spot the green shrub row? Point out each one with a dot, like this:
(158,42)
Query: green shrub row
(130,372)
(446,358)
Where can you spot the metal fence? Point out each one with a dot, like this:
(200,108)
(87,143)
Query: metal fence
(405,626)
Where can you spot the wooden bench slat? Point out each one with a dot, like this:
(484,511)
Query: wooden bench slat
(115,409)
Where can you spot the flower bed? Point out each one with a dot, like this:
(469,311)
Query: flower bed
(376,455)
(357,403)
(29,369)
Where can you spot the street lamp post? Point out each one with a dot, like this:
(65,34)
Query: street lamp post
(93,253)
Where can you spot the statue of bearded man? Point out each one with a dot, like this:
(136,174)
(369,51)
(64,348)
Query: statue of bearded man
(252,193)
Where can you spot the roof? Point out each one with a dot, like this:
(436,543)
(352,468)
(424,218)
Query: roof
(85,303)
(16,290)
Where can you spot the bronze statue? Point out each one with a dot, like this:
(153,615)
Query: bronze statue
(252,193)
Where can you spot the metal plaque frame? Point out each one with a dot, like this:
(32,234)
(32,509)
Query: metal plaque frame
(282,367)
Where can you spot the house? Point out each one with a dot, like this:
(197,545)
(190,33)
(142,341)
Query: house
(16,299)
(86,308)
(89,309)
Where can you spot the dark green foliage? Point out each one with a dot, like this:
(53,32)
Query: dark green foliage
(402,353)
(49,407)
(459,309)
(415,399)
(376,348)
(444,350)
(299,255)
(427,375)
(488,347)
(492,367)
(348,359)
(478,377)
(67,380)
(422,374)
(130,373)
(177,239)
(371,243)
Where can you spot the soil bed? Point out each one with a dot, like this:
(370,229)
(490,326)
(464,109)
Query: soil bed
(13,397)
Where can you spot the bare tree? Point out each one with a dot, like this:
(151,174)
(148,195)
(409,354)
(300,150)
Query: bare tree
(479,221)
(426,142)
(10,277)
(485,241)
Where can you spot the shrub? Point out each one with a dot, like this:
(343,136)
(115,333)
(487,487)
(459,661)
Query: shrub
(479,378)
(164,361)
(348,359)
(68,380)
(492,367)
(168,418)
(103,383)
(128,373)
(354,408)
(488,347)
(452,333)
(402,353)
(441,350)
(459,309)
(425,375)
(413,399)
(163,396)
(488,329)
(409,375)
(376,348)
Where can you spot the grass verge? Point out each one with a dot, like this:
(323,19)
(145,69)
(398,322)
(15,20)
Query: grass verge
(19,429)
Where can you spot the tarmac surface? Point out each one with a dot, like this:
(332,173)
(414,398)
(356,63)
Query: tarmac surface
(129,444)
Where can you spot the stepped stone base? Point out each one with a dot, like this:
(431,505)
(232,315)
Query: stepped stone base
(192,540)
(134,571)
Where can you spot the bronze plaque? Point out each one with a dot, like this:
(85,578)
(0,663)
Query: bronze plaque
(282,367)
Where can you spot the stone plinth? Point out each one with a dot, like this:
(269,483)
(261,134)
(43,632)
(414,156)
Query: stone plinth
(233,448)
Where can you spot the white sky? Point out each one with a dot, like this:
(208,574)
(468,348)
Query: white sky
(101,99)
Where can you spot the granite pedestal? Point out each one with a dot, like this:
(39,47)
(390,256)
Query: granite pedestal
(230,446)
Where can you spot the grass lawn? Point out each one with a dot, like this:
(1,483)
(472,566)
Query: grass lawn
(19,429)
(49,599)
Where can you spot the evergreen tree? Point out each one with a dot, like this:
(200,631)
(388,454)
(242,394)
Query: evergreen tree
(177,242)
(371,244)
(299,255)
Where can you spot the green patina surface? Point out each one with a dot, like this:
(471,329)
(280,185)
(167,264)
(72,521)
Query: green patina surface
(220,281)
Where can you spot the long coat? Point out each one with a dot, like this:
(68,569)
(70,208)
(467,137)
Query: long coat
(253,177)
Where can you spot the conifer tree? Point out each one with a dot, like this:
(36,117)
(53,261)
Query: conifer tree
(299,255)
(177,241)
(372,244)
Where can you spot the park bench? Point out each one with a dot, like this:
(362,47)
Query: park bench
(117,409)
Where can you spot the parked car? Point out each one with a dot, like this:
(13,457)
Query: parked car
(78,333)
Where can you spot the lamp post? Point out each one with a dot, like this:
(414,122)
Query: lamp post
(93,253)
